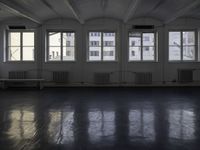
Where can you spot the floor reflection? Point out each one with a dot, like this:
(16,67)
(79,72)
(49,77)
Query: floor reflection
(116,123)
(101,126)
(22,124)
(181,123)
(141,125)
(60,128)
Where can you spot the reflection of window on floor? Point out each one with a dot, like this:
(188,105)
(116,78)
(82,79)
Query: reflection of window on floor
(141,125)
(60,128)
(101,126)
(22,124)
(181,124)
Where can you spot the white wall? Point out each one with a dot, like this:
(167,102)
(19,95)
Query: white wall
(81,71)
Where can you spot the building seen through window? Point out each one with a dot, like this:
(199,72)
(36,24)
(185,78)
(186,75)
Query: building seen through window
(61,46)
(102,46)
(181,46)
(142,46)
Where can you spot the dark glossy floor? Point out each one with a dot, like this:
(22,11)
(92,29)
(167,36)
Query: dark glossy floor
(100,119)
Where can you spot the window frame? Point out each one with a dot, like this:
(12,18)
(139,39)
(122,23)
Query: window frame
(141,55)
(102,46)
(181,40)
(61,46)
(21,31)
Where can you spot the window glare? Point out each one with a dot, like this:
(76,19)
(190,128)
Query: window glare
(28,39)
(14,39)
(21,50)
(14,53)
(61,46)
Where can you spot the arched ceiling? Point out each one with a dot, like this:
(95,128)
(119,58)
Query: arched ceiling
(82,10)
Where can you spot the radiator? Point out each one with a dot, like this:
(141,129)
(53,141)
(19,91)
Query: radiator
(17,75)
(101,78)
(60,76)
(185,75)
(143,77)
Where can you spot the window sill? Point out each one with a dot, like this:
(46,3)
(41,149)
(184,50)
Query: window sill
(59,62)
(143,61)
(20,62)
(115,61)
(181,62)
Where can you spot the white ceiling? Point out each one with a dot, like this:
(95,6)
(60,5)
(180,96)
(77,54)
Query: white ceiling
(82,10)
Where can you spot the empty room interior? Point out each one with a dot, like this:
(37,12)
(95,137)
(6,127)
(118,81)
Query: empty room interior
(99,74)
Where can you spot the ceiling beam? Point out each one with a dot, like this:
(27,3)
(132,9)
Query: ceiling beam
(183,11)
(18,10)
(47,4)
(104,4)
(72,6)
(131,10)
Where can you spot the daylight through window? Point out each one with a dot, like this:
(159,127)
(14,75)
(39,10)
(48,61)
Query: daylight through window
(21,46)
(142,46)
(181,46)
(61,46)
(102,46)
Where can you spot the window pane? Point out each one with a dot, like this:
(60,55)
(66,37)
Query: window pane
(68,46)
(148,39)
(28,53)
(109,53)
(148,53)
(14,53)
(174,53)
(54,53)
(175,39)
(134,39)
(134,53)
(189,53)
(188,38)
(94,46)
(14,39)
(68,53)
(109,46)
(28,39)
(95,53)
(68,39)
(54,39)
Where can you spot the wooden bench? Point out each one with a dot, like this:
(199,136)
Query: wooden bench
(38,81)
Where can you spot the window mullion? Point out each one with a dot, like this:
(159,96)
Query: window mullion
(155,47)
(21,46)
(141,47)
(181,45)
(48,47)
(196,46)
(61,46)
(102,46)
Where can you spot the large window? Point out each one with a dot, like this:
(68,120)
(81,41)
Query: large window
(21,46)
(61,46)
(102,46)
(142,46)
(181,46)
